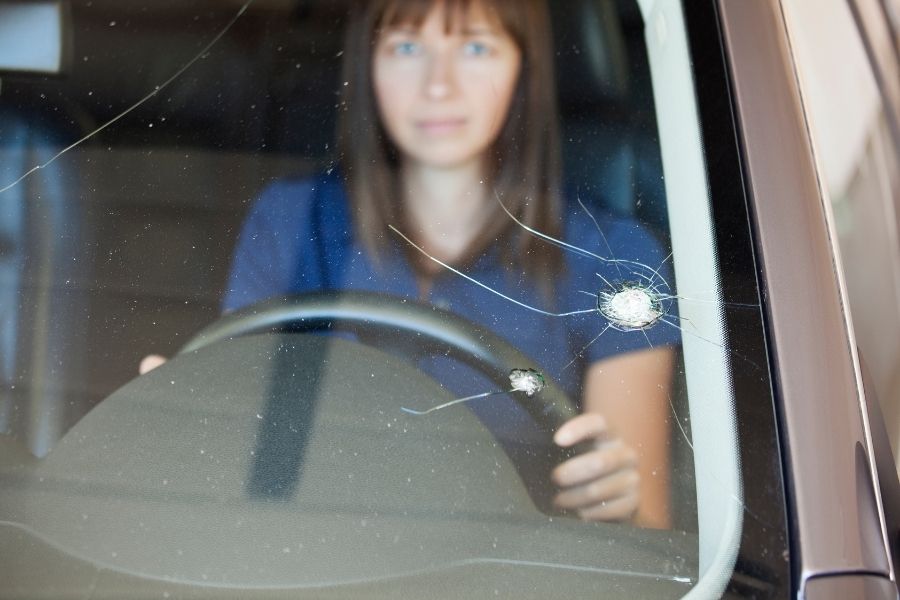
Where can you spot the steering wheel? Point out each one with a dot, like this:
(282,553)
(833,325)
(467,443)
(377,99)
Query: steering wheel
(416,329)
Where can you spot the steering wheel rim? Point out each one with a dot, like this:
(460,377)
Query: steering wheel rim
(419,325)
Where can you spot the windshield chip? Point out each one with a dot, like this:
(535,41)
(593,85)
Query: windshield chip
(630,306)
(526,380)
(529,381)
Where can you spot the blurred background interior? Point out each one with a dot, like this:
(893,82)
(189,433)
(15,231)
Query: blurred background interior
(120,247)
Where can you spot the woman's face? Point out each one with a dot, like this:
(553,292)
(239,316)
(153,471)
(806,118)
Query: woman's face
(443,96)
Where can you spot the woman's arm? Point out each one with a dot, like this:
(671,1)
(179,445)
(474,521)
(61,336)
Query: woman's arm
(626,415)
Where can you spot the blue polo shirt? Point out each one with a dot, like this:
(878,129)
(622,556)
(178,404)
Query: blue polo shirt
(298,237)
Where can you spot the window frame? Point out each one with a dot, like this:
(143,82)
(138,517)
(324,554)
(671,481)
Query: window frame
(834,510)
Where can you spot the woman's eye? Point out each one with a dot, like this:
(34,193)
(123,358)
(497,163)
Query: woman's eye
(407,49)
(476,49)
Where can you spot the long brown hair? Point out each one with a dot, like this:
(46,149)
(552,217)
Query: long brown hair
(523,162)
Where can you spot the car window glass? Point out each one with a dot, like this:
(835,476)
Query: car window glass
(354,389)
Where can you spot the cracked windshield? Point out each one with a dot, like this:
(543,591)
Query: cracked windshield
(388,297)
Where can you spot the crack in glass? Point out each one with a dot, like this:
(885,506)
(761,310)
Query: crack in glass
(156,90)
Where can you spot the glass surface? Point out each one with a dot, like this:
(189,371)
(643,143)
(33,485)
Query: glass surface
(371,271)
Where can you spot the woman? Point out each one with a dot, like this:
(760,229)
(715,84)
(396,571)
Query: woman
(449,105)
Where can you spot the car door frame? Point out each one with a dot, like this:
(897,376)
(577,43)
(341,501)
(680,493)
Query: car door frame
(839,533)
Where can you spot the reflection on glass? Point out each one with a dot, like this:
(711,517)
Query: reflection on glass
(857,152)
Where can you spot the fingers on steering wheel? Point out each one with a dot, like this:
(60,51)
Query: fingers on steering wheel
(150,362)
(607,458)
(622,483)
(586,426)
(619,509)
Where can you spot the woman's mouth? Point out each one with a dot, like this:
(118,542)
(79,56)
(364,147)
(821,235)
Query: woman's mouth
(440,126)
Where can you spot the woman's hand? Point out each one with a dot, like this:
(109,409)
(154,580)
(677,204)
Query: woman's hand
(150,362)
(602,484)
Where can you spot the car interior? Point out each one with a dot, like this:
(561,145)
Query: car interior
(153,144)
(128,250)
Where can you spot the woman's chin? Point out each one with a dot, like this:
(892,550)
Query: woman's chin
(445,159)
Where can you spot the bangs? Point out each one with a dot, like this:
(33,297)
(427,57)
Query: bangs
(396,13)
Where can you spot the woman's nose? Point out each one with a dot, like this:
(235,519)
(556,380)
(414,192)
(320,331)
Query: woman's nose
(440,80)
